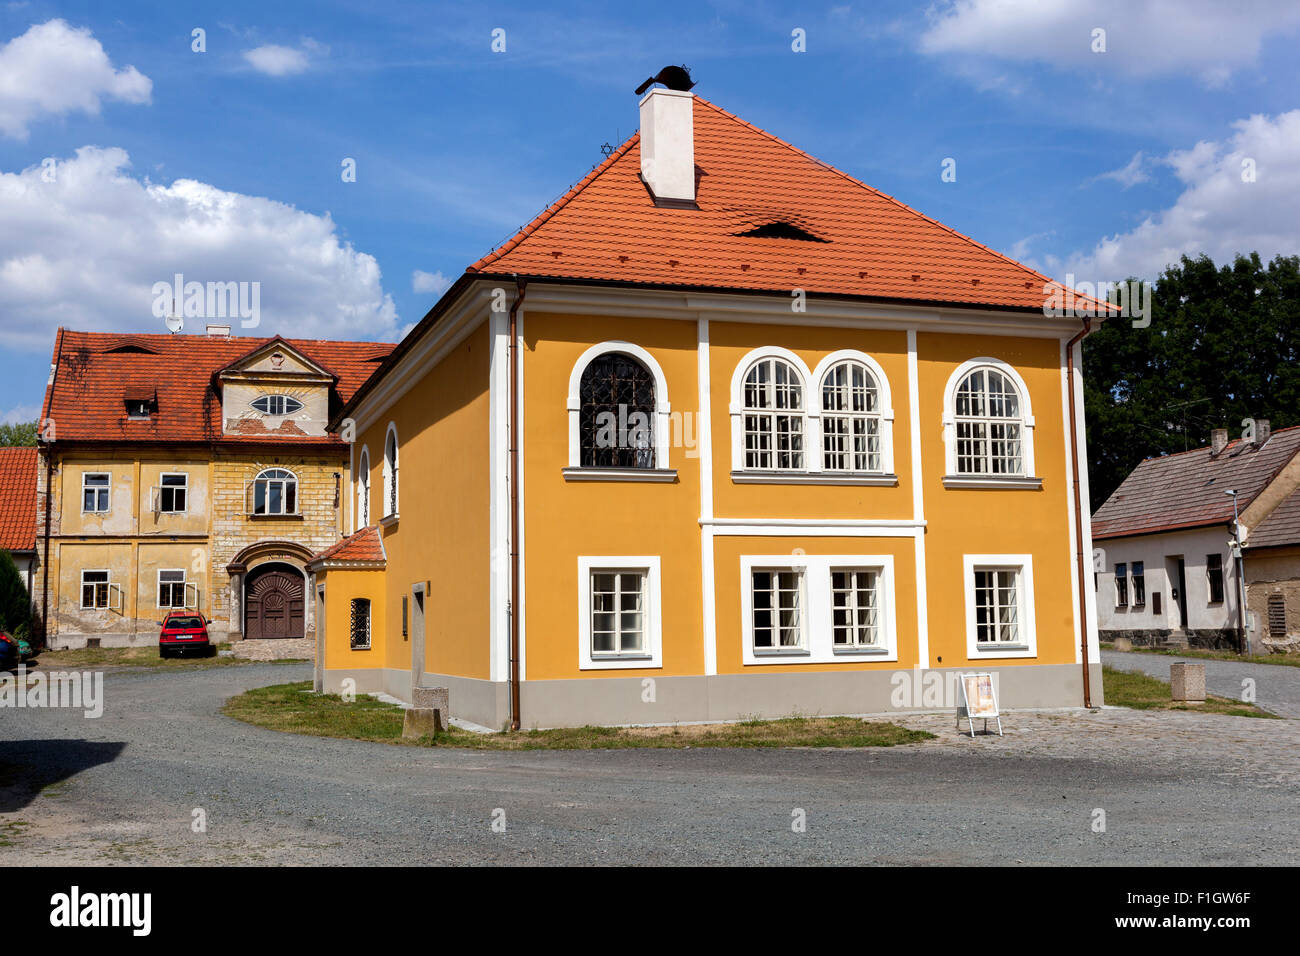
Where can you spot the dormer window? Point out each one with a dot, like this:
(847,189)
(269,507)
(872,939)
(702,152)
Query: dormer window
(140,405)
(276,404)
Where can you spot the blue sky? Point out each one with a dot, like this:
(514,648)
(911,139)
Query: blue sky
(225,164)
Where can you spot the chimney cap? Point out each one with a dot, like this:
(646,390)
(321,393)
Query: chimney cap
(673,77)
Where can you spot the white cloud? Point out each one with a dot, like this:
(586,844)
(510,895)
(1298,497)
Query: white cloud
(1129,175)
(275,60)
(54,69)
(1207,38)
(84,252)
(434,282)
(1218,213)
(20,415)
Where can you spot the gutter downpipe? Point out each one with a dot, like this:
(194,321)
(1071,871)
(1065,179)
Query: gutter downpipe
(513,452)
(45,561)
(1078,509)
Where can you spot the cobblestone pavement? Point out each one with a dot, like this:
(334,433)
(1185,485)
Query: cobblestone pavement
(1276,686)
(1177,789)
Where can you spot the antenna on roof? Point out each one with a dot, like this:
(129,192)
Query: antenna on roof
(673,77)
(174,321)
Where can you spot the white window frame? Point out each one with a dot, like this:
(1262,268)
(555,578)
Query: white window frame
(818,608)
(813,471)
(1027,646)
(952,478)
(108,589)
(185,590)
(652,657)
(392,471)
(284,400)
(297,494)
(183,487)
(659,428)
(362,487)
(370,620)
(107,490)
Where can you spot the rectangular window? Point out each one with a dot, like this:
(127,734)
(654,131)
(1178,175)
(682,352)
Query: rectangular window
(778,609)
(94,589)
(997,606)
(1155,602)
(855,608)
(1121,585)
(173,493)
(1214,577)
(94,492)
(360,624)
(1139,584)
(171,589)
(618,612)
(405,607)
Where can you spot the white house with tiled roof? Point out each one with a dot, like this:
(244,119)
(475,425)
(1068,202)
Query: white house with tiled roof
(1166,561)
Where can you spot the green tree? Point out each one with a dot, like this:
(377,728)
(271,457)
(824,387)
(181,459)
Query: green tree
(1222,346)
(15,602)
(20,434)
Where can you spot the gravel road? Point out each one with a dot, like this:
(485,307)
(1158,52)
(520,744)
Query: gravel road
(1176,788)
(1276,686)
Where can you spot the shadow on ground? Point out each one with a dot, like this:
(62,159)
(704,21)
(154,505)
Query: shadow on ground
(28,767)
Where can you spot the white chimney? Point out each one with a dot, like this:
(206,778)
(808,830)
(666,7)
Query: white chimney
(668,144)
(218,331)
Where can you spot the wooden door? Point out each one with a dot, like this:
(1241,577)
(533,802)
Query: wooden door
(274,606)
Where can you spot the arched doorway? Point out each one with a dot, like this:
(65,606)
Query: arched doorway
(274,605)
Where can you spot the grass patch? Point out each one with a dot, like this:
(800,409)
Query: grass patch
(1143,692)
(291,708)
(1286,660)
(131,657)
(11,830)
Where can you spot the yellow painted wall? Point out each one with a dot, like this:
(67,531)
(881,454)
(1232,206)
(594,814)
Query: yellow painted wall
(342,585)
(986,521)
(442,535)
(567,519)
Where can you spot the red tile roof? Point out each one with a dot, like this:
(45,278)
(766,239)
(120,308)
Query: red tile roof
(364,545)
(95,372)
(17,499)
(607,227)
(1280,527)
(1186,490)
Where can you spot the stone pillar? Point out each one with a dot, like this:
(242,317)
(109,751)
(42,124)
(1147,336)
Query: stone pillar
(235,609)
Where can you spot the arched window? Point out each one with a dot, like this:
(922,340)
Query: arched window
(773,416)
(851,419)
(275,492)
(390,472)
(988,425)
(363,490)
(616,422)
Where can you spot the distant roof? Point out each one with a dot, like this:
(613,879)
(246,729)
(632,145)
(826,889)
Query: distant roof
(364,545)
(1280,527)
(17,499)
(1186,490)
(771,218)
(96,372)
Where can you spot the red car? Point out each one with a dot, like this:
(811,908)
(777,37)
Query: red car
(184,632)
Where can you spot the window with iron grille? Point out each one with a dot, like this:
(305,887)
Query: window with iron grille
(774,414)
(1214,576)
(1121,585)
(989,425)
(363,490)
(360,624)
(390,473)
(1138,574)
(855,607)
(997,605)
(616,419)
(777,608)
(850,419)
(1276,615)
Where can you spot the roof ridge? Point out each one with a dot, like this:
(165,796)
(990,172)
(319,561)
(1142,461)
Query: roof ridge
(1187,451)
(538,220)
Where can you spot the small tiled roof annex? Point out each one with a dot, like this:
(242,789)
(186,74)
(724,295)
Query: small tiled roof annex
(364,545)
(1186,490)
(608,228)
(95,372)
(17,499)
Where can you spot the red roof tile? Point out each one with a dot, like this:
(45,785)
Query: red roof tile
(17,499)
(364,545)
(1186,490)
(607,227)
(96,372)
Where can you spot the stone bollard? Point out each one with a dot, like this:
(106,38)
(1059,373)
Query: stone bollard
(1123,644)
(428,713)
(1187,682)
